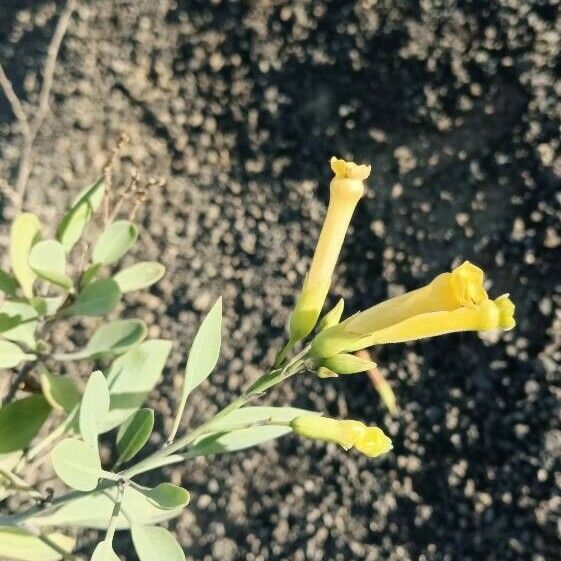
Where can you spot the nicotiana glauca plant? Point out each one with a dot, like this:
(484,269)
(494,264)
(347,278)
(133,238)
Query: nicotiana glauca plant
(42,290)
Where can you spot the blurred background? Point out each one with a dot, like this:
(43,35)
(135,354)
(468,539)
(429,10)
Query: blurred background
(239,105)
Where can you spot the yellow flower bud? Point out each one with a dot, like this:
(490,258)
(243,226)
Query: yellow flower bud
(371,441)
(452,302)
(346,189)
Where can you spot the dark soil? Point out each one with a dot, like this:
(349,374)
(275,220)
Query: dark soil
(240,105)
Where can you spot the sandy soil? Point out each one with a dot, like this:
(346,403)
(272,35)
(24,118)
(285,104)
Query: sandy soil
(240,106)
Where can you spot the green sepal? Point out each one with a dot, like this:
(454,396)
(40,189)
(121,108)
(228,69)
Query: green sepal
(333,317)
(345,363)
(324,372)
(334,340)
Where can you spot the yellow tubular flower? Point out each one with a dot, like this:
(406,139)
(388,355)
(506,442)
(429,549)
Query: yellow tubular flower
(448,291)
(346,189)
(488,315)
(371,441)
(452,302)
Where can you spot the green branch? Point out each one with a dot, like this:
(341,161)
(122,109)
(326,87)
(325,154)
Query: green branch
(169,454)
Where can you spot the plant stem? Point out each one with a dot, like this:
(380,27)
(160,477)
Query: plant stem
(66,555)
(19,484)
(19,517)
(121,509)
(178,445)
(111,476)
(168,455)
(17,380)
(281,357)
(264,382)
(116,510)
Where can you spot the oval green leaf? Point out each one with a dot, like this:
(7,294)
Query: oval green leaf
(132,377)
(24,233)
(77,464)
(222,443)
(111,339)
(154,542)
(94,408)
(117,239)
(104,552)
(203,356)
(20,421)
(94,511)
(60,391)
(8,284)
(140,275)
(11,355)
(84,206)
(134,433)
(17,543)
(48,260)
(116,337)
(8,322)
(97,299)
(25,331)
(47,306)
(90,274)
(167,496)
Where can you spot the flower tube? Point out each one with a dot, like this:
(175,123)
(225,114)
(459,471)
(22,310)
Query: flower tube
(346,189)
(463,287)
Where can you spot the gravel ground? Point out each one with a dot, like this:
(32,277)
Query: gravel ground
(240,106)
